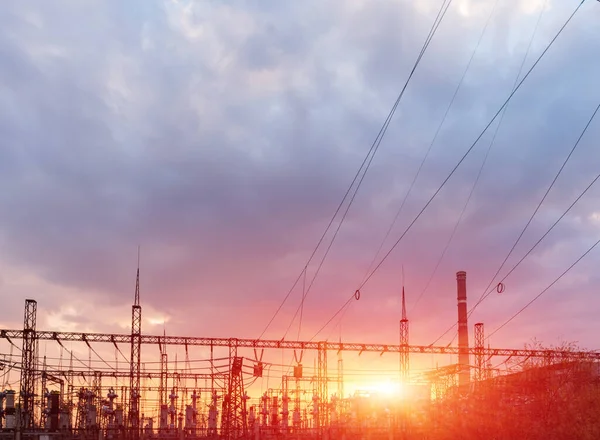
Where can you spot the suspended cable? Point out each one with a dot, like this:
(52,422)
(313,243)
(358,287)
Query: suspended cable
(470,148)
(488,292)
(550,44)
(545,290)
(492,142)
(371,154)
(535,211)
(433,141)
(441,257)
(589,122)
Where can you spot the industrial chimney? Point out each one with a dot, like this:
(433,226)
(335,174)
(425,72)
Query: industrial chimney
(463,330)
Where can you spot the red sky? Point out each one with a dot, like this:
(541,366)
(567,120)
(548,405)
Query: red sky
(220,139)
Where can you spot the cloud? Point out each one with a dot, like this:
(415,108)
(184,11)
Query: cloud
(220,138)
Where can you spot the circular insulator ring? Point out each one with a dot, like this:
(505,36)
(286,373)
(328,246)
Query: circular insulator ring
(357,295)
(500,287)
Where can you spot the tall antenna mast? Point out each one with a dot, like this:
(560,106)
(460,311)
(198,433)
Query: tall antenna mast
(403,297)
(404,352)
(135,361)
(136,301)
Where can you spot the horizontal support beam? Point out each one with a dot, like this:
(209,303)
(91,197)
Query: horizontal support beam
(126,374)
(300,345)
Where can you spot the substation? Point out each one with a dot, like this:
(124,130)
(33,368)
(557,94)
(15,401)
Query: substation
(56,399)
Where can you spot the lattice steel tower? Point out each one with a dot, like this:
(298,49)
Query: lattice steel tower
(322,384)
(136,345)
(404,360)
(234,422)
(29,360)
(479,346)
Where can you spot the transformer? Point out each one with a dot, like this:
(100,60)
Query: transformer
(298,371)
(274,411)
(189,418)
(258,370)
(119,416)
(315,410)
(91,416)
(285,412)
(53,411)
(64,421)
(163,423)
(10,412)
(149,428)
(296,418)
(265,410)
(213,414)
(2,396)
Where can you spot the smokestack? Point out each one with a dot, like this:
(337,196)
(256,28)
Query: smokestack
(463,330)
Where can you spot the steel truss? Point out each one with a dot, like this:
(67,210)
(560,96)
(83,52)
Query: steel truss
(550,355)
(124,374)
(29,357)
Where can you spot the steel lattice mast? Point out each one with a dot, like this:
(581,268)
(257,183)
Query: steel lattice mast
(135,370)
(29,360)
(479,344)
(404,360)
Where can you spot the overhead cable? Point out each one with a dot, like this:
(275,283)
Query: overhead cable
(518,86)
(591,248)
(373,152)
(359,176)
(459,86)
(490,291)
(469,150)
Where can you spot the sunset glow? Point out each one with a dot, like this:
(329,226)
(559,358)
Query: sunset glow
(299,220)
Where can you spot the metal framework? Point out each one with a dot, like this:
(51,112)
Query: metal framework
(29,358)
(479,344)
(235,422)
(164,379)
(135,370)
(404,358)
(44,400)
(147,375)
(298,345)
(322,387)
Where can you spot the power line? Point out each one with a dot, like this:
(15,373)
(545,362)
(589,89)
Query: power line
(576,200)
(439,261)
(366,164)
(340,310)
(539,205)
(517,87)
(492,142)
(470,148)
(387,234)
(488,292)
(545,290)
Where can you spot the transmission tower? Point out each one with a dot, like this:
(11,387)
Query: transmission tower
(136,345)
(29,359)
(164,375)
(479,345)
(235,423)
(404,360)
(44,397)
(322,383)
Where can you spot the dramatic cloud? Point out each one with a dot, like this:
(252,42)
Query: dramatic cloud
(221,137)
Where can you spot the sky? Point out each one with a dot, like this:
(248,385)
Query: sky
(220,137)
